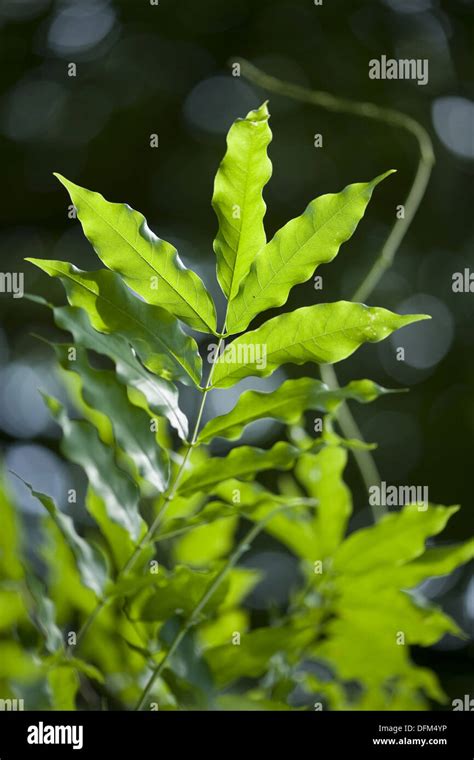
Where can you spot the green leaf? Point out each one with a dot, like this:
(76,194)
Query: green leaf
(180,593)
(251,658)
(90,564)
(10,549)
(44,615)
(206,543)
(12,608)
(151,266)
(82,445)
(324,333)
(16,663)
(432,563)
(435,562)
(160,395)
(237,199)
(256,503)
(131,425)
(243,462)
(119,540)
(63,683)
(391,611)
(321,474)
(155,335)
(397,538)
(287,404)
(297,249)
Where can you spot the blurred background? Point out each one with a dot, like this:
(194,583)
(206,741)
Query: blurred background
(143,69)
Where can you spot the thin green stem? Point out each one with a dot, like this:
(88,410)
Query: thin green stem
(384,260)
(241,547)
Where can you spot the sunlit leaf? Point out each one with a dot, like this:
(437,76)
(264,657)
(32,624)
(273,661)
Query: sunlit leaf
(321,474)
(90,564)
(131,425)
(161,396)
(180,593)
(324,333)
(287,404)
(243,462)
(297,249)
(394,540)
(83,446)
(155,335)
(151,266)
(237,199)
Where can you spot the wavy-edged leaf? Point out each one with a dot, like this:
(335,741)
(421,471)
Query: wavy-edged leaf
(120,542)
(297,249)
(397,538)
(243,462)
(90,564)
(434,562)
(44,615)
(82,445)
(112,309)
(180,592)
(321,474)
(63,685)
(325,333)
(206,543)
(130,424)
(161,395)
(287,404)
(151,266)
(255,650)
(237,199)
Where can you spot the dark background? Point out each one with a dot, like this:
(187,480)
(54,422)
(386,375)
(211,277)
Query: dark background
(163,69)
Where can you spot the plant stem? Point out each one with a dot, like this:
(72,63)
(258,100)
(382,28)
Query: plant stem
(168,497)
(242,547)
(384,260)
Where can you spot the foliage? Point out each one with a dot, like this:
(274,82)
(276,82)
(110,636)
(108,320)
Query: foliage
(144,604)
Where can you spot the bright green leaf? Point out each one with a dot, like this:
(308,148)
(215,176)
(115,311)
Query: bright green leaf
(243,462)
(286,404)
(83,446)
(90,564)
(237,199)
(324,333)
(150,266)
(131,425)
(112,309)
(297,249)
